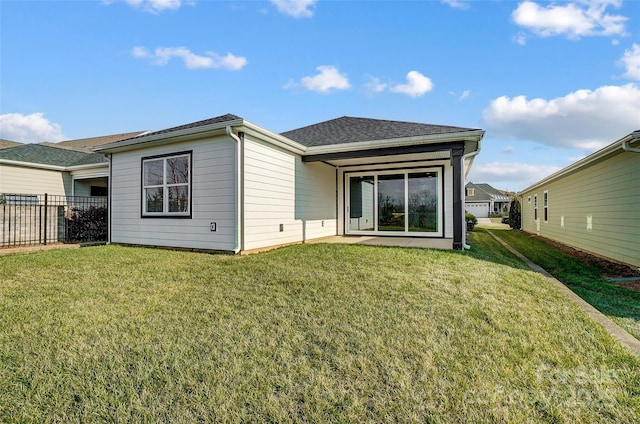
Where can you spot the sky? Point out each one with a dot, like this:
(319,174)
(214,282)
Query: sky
(549,82)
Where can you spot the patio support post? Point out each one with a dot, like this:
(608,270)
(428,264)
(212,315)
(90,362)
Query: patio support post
(458,176)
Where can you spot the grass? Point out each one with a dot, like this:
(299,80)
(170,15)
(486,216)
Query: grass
(585,278)
(336,333)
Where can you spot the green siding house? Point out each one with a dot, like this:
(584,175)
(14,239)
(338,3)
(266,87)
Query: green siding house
(592,205)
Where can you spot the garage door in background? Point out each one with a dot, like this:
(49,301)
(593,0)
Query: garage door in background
(480,210)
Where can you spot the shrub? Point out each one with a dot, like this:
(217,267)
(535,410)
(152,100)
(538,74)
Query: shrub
(471,220)
(515,215)
(87,224)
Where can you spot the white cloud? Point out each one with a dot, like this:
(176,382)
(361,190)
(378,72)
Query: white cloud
(162,56)
(584,119)
(328,78)
(631,61)
(520,38)
(576,19)
(153,6)
(417,85)
(457,4)
(462,96)
(508,150)
(374,85)
(510,175)
(32,128)
(295,8)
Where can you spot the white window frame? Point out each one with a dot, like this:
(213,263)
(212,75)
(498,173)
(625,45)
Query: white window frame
(545,206)
(471,192)
(406,233)
(165,186)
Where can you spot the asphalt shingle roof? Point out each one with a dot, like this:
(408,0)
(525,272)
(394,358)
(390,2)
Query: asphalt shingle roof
(210,121)
(85,144)
(350,130)
(484,192)
(46,155)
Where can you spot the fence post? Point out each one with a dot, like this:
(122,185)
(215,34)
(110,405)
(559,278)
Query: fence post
(45,218)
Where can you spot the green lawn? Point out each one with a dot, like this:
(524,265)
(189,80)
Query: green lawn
(338,333)
(585,278)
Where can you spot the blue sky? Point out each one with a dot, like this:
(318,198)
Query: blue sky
(549,81)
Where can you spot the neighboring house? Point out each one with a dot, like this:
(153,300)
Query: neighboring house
(5,144)
(227,184)
(67,168)
(482,200)
(592,205)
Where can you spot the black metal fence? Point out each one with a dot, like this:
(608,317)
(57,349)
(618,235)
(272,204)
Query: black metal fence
(31,219)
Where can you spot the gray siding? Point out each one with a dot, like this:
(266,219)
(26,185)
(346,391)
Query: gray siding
(596,208)
(213,198)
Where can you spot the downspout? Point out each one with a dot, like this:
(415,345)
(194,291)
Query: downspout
(110,184)
(238,229)
(464,224)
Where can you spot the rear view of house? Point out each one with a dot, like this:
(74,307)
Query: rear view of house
(592,205)
(227,184)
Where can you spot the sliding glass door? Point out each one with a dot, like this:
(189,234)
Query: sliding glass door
(394,203)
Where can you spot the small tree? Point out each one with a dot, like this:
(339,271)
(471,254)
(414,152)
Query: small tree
(515,216)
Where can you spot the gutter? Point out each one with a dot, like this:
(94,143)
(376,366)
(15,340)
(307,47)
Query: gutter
(623,143)
(475,135)
(465,246)
(239,224)
(635,136)
(109,198)
(33,165)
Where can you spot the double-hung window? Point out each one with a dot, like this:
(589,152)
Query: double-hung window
(166,185)
(545,205)
(535,207)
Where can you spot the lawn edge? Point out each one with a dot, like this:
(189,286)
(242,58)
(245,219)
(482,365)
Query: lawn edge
(618,333)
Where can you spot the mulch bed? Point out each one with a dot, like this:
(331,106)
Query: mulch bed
(608,268)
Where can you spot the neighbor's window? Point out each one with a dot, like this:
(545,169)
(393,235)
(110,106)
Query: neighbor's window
(98,191)
(166,185)
(529,199)
(471,192)
(545,205)
(535,207)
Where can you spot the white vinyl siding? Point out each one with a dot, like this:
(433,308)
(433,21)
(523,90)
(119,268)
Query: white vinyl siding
(213,198)
(24,180)
(283,193)
(316,198)
(595,208)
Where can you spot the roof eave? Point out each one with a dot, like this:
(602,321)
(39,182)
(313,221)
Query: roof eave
(167,137)
(473,135)
(274,138)
(87,166)
(594,157)
(198,132)
(33,165)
